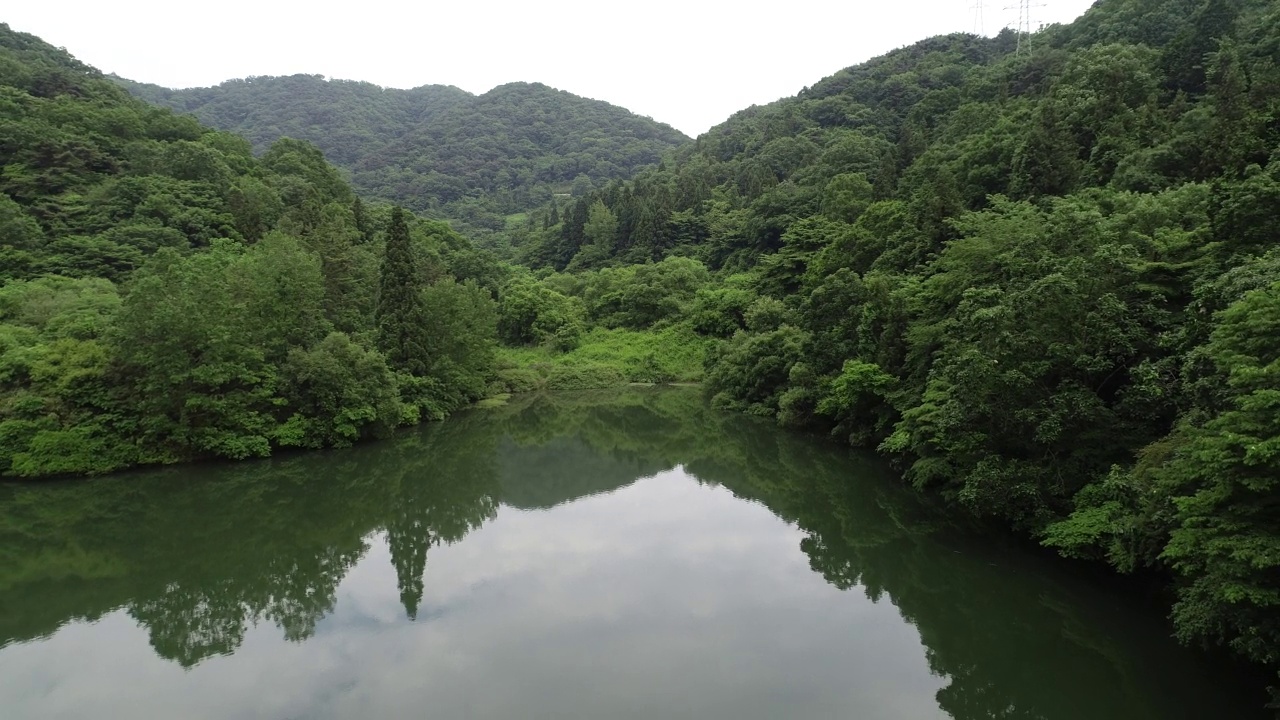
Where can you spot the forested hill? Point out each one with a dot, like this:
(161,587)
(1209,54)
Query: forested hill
(1045,281)
(1125,97)
(166,295)
(351,118)
(1042,276)
(437,148)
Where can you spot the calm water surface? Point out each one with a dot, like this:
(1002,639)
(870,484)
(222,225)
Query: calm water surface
(620,555)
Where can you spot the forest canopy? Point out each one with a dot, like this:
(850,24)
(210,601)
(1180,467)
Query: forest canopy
(1039,274)
(472,159)
(168,296)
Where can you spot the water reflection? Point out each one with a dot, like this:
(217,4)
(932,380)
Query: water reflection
(623,557)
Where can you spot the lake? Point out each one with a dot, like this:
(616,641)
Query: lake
(621,554)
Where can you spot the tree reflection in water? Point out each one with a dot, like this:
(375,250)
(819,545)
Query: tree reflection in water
(197,555)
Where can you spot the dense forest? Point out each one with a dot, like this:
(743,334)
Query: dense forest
(475,160)
(166,295)
(1039,274)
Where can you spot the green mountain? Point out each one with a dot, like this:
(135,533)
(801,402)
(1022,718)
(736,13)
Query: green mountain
(437,149)
(167,295)
(1121,98)
(1042,274)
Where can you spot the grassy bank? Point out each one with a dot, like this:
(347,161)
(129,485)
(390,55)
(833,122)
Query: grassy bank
(605,358)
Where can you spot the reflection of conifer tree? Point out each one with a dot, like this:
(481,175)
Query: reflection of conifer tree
(440,510)
(409,541)
(447,488)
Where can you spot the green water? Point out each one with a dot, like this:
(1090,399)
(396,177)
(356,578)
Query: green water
(612,555)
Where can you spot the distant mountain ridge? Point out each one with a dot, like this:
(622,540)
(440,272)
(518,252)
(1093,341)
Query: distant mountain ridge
(437,148)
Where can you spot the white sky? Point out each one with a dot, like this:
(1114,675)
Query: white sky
(690,63)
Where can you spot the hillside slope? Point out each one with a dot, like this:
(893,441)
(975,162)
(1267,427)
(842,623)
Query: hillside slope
(166,295)
(1045,282)
(436,148)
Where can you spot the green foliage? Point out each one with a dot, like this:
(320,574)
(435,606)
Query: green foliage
(349,265)
(54,393)
(199,342)
(1126,517)
(167,296)
(853,397)
(610,357)
(1021,275)
(436,149)
(338,393)
(640,295)
(720,311)
(461,322)
(582,377)
(750,371)
(530,312)
(847,196)
(1226,538)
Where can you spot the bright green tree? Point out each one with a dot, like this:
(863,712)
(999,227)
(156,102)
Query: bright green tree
(1227,539)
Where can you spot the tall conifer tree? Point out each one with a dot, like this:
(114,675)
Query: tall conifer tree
(362,221)
(401,313)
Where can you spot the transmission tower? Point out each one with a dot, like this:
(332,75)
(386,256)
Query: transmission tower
(978,27)
(1023,28)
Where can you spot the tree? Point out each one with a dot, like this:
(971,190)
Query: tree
(1227,539)
(846,197)
(599,235)
(349,266)
(601,227)
(199,341)
(400,315)
(362,221)
(339,393)
(530,312)
(461,321)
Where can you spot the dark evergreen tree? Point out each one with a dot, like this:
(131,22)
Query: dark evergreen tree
(571,232)
(362,221)
(400,315)
(1185,58)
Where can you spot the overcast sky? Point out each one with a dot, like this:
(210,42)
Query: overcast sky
(689,63)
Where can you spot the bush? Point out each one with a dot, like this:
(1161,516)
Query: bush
(517,380)
(583,377)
